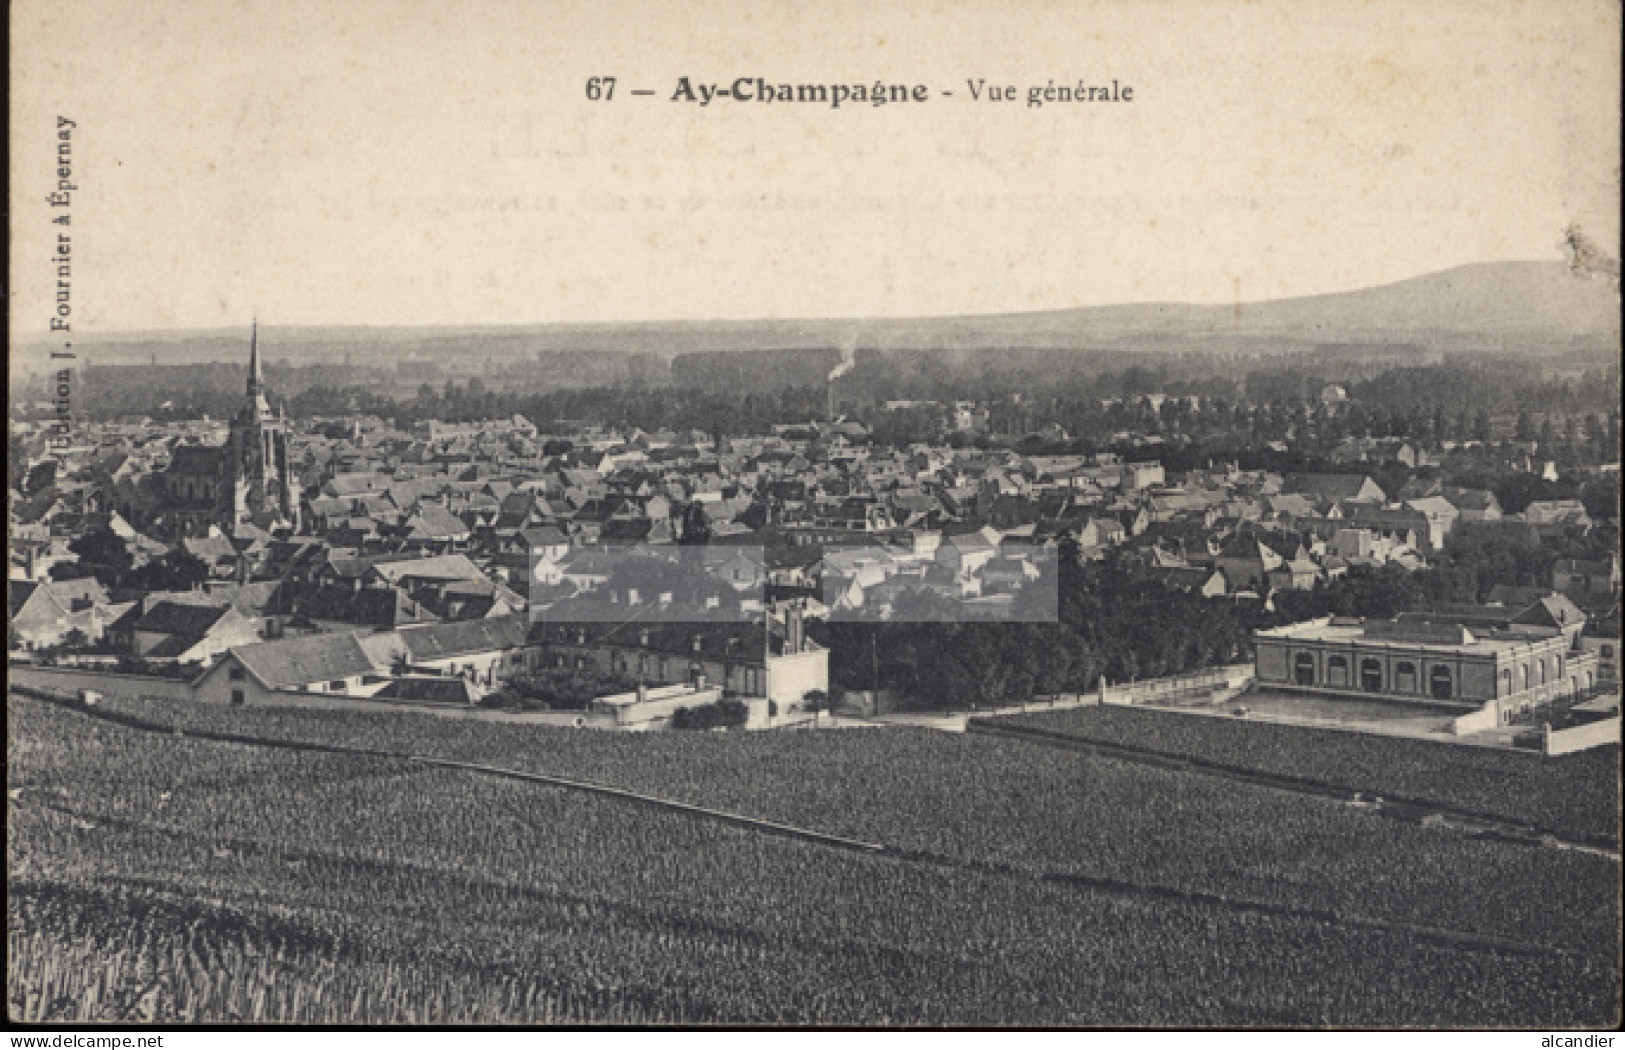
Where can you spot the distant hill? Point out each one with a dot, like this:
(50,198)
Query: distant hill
(1536,306)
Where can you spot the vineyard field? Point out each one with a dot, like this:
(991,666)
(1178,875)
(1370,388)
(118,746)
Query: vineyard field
(1576,794)
(340,887)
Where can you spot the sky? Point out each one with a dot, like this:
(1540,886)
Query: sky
(371,162)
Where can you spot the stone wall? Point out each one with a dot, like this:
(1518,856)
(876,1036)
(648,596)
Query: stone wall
(1579,738)
(69,680)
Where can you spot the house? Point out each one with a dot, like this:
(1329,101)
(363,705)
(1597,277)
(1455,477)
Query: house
(1329,489)
(1296,574)
(431,526)
(45,614)
(1474,504)
(1555,611)
(188,633)
(1557,512)
(1605,645)
(1136,476)
(468,600)
(1363,546)
(541,541)
(1107,532)
(215,551)
(729,655)
(1411,528)
(742,568)
(1246,562)
(482,651)
(1572,575)
(965,553)
(1209,583)
(339,662)
(1441,517)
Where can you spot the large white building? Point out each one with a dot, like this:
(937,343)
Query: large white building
(1513,666)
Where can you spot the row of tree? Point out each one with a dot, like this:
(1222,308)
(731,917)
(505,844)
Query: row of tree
(105,555)
(1111,623)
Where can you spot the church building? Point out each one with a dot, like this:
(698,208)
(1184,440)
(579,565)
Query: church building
(247,480)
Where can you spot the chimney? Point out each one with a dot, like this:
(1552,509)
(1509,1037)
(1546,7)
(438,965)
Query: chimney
(242,569)
(33,561)
(794,633)
(697,643)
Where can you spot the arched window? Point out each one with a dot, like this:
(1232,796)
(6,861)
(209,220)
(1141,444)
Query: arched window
(1543,670)
(1524,677)
(1337,671)
(1405,677)
(1303,669)
(1441,683)
(1371,675)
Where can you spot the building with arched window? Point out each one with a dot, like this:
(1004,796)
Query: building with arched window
(1515,666)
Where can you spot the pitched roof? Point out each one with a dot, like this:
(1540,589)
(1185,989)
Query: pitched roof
(1432,505)
(1554,610)
(439,567)
(188,621)
(209,548)
(429,689)
(196,460)
(369,606)
(432,521)
(543,536)
(442,640)
(1331,487)
(293,662)
(26,599)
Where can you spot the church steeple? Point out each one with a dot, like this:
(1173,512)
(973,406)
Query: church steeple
(256,459)
(256,379)
(255,406)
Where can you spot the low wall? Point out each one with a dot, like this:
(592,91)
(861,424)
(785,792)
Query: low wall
(1484,719)
(69,680)
(1579,738)
(1154,689)
(1221,682)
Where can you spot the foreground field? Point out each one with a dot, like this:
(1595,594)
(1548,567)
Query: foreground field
(459,896)
(1576,794)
